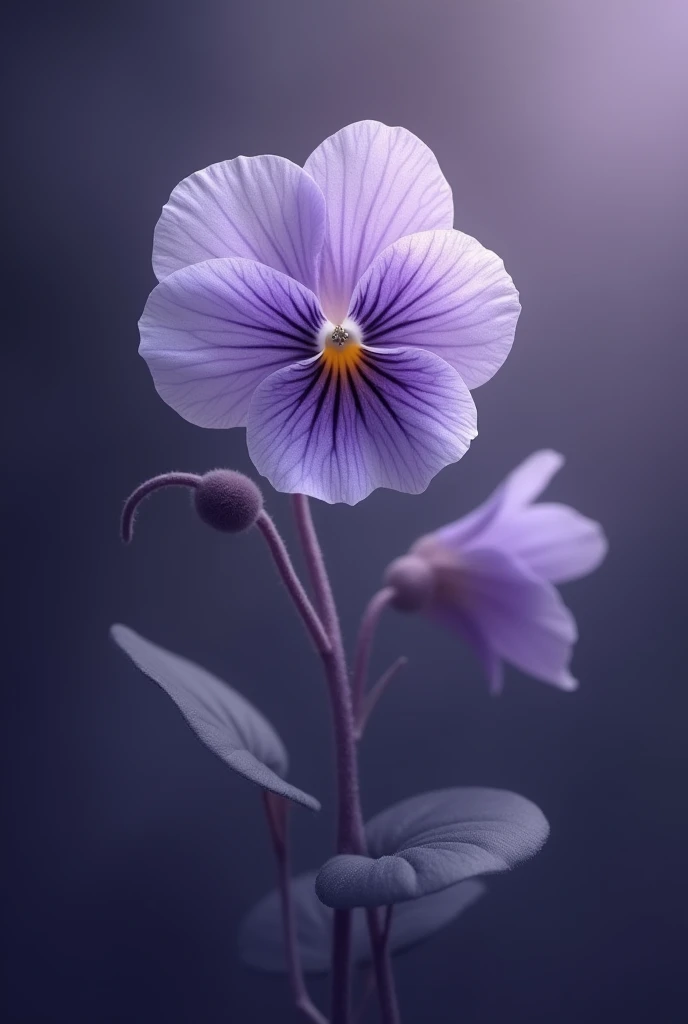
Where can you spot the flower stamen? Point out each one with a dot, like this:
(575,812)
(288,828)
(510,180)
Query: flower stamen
(341,346)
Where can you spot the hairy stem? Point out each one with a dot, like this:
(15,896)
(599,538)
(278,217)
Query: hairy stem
(293,584)
(350,833)
(276,811)
(143,490)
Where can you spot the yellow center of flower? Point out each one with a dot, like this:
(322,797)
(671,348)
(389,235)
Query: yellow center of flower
(341,347)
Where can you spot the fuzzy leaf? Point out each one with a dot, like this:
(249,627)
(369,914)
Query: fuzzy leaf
(425,844)
(224,720)
(262,945)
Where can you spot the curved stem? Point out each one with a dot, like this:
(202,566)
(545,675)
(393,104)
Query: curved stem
(276,812)
(143,490)
(350,833)
(293,584)
(374,693)
(364,644)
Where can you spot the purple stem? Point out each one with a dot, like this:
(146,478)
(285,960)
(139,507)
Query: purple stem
(276,811)
(293,584)
(364,644)
(350,832)
(374,693)
(382,964)
(141,492)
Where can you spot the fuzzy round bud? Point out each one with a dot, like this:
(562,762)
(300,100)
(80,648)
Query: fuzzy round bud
(412,579)
(227,500)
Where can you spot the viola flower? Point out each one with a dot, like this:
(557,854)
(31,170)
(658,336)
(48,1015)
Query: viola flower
(332,310)
(490,575)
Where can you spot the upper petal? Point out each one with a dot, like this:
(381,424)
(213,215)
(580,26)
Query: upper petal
(212,332)
(444,291)
(555,541)
(523,485)
(336,431)
(521,616)
(379,183)
(261,208)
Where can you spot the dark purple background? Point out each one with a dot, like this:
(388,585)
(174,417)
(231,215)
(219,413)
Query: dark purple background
(561,126)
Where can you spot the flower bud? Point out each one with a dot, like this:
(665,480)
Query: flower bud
(413,580)
(227,500)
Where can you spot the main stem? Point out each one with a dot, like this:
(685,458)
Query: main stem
(350,833)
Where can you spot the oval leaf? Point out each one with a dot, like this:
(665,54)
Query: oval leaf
(223,719)
(261,939)
(432,841)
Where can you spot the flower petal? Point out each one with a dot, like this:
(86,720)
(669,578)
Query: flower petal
(390,418)
(261,939)
(212,332)
(472,635)
(261,208)
(380,184)
(444,291)
(555,541)
(431,841)
(522,486)
(221,718)
(521,616)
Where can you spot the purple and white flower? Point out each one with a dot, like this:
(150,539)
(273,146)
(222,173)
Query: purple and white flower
(490,576)
(332,310)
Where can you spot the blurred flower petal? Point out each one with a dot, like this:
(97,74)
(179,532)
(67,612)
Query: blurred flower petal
(555,541)
(524,617)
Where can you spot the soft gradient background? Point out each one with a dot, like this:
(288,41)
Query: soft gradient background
(561,125)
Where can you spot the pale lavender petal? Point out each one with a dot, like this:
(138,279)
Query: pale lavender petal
(555,541)
(527,482)
(522,486)
(520,616)
(441,290)
(393,420)
(261,208)
(453,618)
(212,332)
(380,184)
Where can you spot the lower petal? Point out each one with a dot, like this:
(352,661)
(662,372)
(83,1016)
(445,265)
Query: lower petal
(336,431)
(520,616)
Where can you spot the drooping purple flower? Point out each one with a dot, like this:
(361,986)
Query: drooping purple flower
(332,310)
(490,576)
